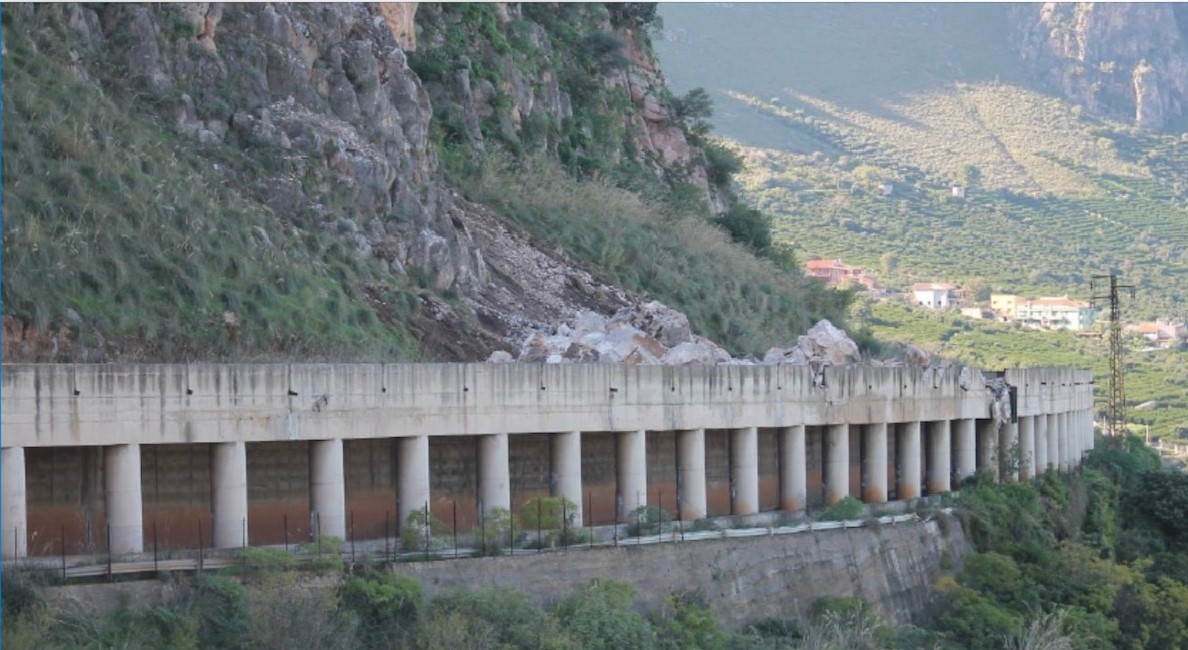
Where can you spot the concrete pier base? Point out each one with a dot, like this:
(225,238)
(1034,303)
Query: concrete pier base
(691,474)
(412,491)
(125,512)
(793,469)
(744,470)
(229,494)
(910,456)
(837,463)
(874,464)
(939,476)
(327,488)
(565,459)
(632,472)
(14,508)
(494,480)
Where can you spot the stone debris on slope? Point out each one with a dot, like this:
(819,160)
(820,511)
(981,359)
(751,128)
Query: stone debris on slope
(653,333)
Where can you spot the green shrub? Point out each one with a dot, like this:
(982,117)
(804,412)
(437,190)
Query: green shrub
(257,561)
(422,531)
(648,520)
(388,606)
(601,617)
(846,509)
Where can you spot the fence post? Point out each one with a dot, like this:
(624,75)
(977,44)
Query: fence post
(286,517)
(387,516)
(155,567)
(455,529)
(427,531)
(352,538)
(564,527)
(318,526)
(539,541)
(590,511)
(63,545)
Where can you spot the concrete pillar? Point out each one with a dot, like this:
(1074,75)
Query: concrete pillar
(1027,447)
(412,492)
(566,462)
(793,469)
(837,463)
(1066,442)
(1053,438)
(1008,449)
(744,471)
(14,513)
(965,442)
(875,463)
(988,446)
(909,462)
(938,457)
(1041,443)
(229,494)
(494,477)
(327,488)
(632,474)
(125,513)
(691,474)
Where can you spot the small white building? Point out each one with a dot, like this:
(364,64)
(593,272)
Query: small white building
(935,295)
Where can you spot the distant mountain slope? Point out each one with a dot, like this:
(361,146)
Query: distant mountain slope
(836,105)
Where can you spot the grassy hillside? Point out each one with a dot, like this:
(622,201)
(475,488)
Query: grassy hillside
(115,227)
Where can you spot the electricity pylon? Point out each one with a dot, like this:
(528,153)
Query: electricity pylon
(1117,405)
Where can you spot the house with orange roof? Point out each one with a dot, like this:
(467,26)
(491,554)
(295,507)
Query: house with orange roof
(835,273)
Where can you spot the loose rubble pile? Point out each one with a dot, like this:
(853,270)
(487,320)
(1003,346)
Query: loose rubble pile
(653,333)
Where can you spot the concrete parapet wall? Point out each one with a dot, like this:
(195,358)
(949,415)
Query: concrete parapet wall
(72,405)
(744,580)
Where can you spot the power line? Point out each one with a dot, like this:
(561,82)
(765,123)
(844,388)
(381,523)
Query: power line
(1116,426)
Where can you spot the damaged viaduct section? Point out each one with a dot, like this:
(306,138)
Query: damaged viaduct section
(112,458)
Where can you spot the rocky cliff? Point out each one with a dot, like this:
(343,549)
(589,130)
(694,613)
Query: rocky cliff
(1127,61)
(320,135)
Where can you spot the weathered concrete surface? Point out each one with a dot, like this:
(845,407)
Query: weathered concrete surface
(71,405)
(745,579)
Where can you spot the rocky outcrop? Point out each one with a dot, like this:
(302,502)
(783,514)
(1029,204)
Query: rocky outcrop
(1127,61)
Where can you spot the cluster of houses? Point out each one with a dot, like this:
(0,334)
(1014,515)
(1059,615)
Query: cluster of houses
(1053,313)
(1161,333)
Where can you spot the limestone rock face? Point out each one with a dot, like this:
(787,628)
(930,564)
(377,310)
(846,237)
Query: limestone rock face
(1127,61)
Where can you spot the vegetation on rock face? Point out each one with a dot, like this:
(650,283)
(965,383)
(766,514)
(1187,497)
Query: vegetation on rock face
(213,199)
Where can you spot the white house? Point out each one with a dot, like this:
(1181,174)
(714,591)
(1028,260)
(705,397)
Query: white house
(935,295)
(1056,313)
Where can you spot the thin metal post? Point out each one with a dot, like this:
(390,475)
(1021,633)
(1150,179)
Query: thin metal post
(155,567)
(286,532)
(659,516)
(539,541)
(426,530)
(564,526)
(63,547)
(318,526)
(638,521)
(455,528)
(482,529)
(590,511)
(108,551)
(387,516)
(511,535)
(352,538)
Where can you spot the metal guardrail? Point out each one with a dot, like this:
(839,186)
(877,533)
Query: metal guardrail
(92,567)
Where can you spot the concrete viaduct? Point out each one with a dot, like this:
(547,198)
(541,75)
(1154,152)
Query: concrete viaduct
(121,447)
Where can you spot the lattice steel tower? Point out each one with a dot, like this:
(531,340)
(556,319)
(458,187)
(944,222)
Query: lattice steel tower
(1117,404)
